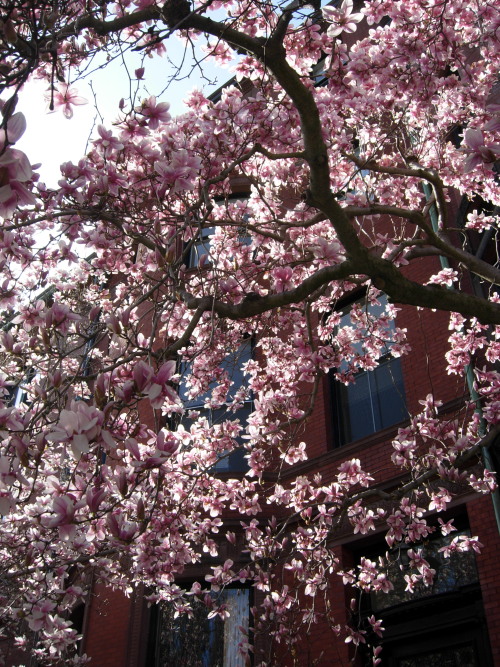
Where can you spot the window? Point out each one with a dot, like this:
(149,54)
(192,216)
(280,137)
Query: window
(199,253)
(376,399)
(479,219)
(232,367)
(200,250)
(199,641)
(438,626)
(453,572)
(318,74)
(18,394)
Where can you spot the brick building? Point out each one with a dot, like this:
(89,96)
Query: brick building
(455,623)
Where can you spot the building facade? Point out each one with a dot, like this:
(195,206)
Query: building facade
(455,622)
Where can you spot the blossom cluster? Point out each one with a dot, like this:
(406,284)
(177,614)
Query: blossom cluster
(254,220)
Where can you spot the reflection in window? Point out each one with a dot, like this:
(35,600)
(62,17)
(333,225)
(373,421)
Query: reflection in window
(199,641)
(199,255)
(376,399)
(18,394)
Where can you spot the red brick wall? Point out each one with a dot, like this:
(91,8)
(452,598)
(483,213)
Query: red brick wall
(482,523)
(107,627)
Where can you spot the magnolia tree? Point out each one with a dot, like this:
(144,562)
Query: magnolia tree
(102,466)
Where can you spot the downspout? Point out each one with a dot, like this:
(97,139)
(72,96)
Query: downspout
(469,374)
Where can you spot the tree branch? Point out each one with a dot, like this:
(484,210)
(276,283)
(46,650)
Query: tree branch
(256,305)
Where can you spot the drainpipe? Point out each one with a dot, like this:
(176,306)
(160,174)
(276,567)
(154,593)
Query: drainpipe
(469,372)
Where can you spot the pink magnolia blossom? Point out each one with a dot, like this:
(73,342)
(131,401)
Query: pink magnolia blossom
(155,385)
(461,543)
(107,143)
(32,315)
(178,173)
(479,221)
(445,277)
(343,19)
(154,112)
(357,637)
(296,454)
(120,528)
(65,97)
(60,317)
(479,152)
(331,251)
(440,500)
(446,528)
(282,278)
(15,169)
(15,128)
(63,515)
(79,427)
(40,613)
(376,626)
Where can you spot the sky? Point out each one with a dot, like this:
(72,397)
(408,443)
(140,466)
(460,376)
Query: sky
(51,139)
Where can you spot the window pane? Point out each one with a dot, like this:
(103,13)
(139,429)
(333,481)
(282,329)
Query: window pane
(202,642)
(457,656)
(373,402)
(388,394)
(232,365)
(355,414)
(452,573)
(235,461)
(200,247)
(376,399)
